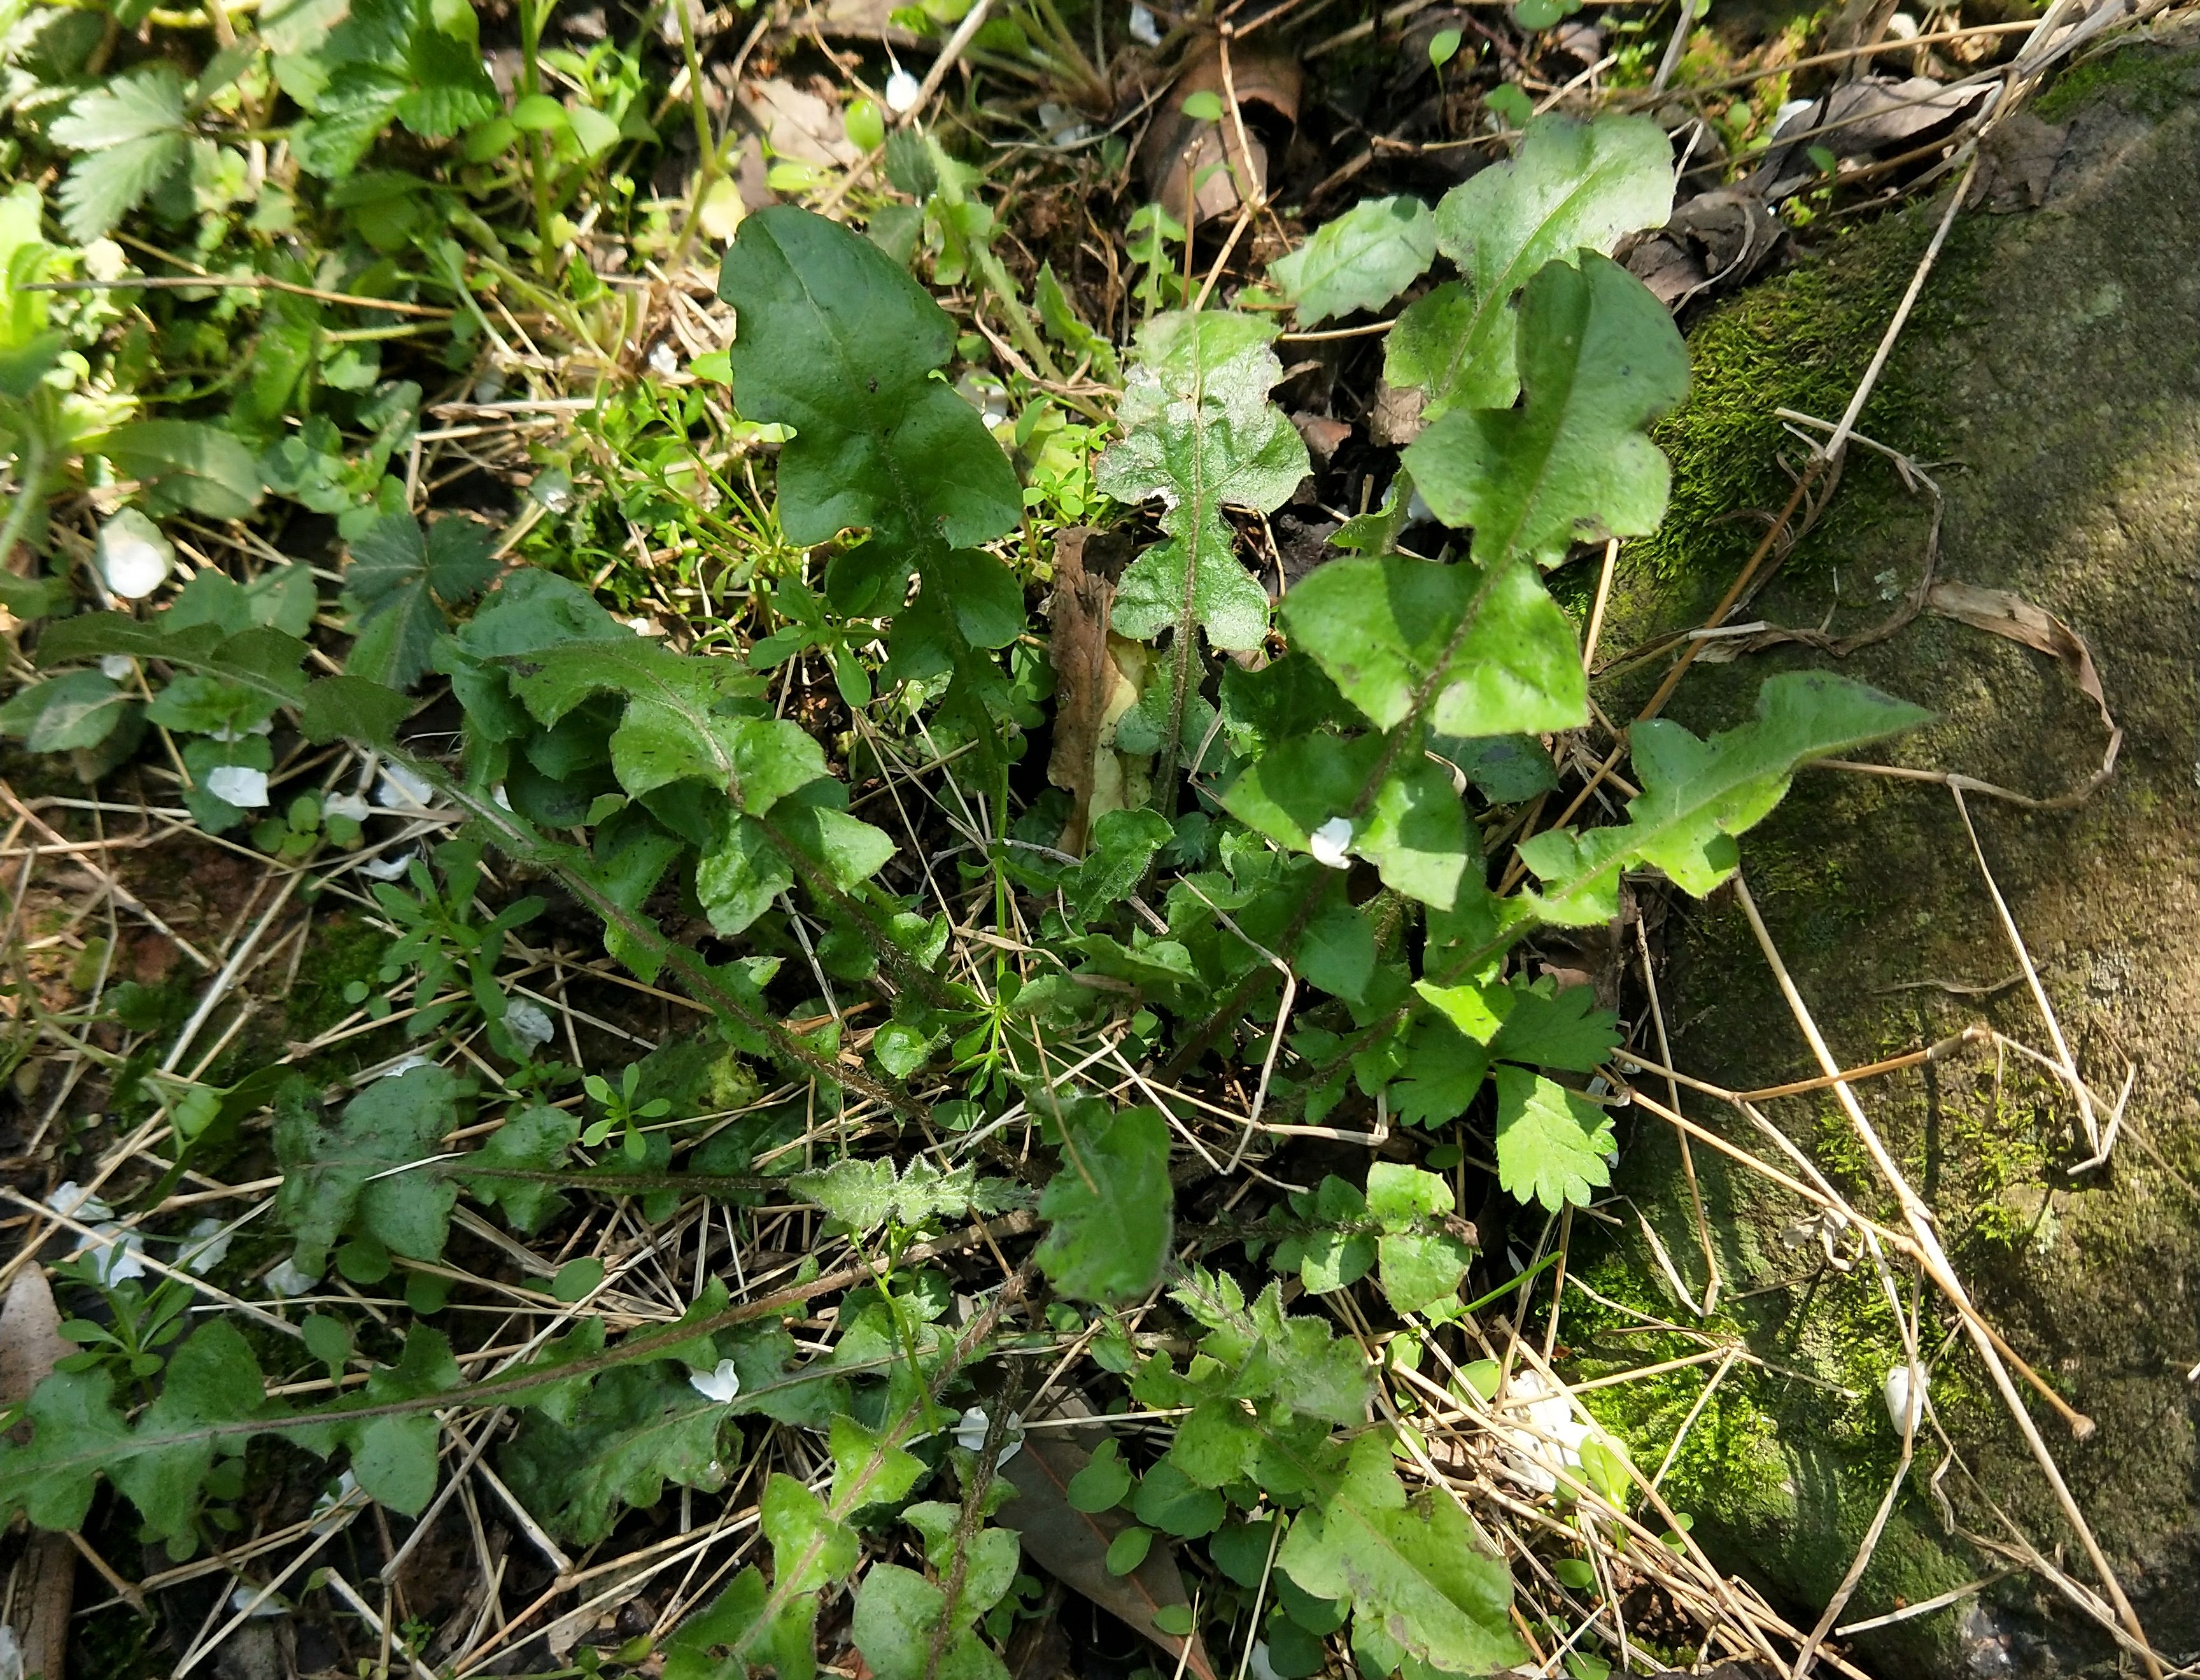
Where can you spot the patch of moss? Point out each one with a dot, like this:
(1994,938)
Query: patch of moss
(1799,341)
(342,949)
(2149,83)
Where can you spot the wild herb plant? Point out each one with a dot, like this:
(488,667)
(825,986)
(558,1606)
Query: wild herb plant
(1289,890)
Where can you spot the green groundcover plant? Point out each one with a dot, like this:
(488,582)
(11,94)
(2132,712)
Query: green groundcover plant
(1293,895)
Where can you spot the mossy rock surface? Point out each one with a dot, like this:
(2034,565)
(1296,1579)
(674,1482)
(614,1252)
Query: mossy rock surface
(2053,378)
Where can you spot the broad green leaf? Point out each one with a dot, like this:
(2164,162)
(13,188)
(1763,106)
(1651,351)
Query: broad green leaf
(1484,653)
(1109,1207)
(187,464)
(898,1618)
(1414,831)
(75,1429)
(1337,952)
(1551,1142)
(1572,186)
(262,659)
(989,1557)
(1697,795)
(77,709)
(394,586)
(338,1177)
(1327,1260)
(678,722)
(1422,1262)
(534,1140)
(394,1456)
(1415,1568)
(386,61)
(1122,844)
(1361,260)
(1200,433)
(1547,1027)
(352,708)
(1444,1069)
(838,342)
(212,1378)
(639,1427)
(131,130)
(1600,359)
(1103,1481)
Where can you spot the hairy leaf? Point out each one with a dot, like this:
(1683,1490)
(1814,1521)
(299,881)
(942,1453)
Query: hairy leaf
(131,130)
(639,1427)
(1572,186)
(1600,359)
(1200,433)
(1414,831)
(336,1178)
(1109,1205)
(80,708)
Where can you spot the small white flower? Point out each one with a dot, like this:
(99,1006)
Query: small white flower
(1905,1404)
(266,726)
(524,1021)
(720,1385)
(74,1201)
(1331,843)
(240,784)
(902,90)
(662,360)
(247,1599)
(401,790)
(116,1258)
(345,804)
(323,1516)
(116,667)
(1551,1439)
(134,558)
(1145,30)
(289,1279)
(970,1434)
(388,868)
(205,1248)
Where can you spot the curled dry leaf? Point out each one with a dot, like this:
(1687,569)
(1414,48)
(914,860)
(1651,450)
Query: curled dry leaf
(1193,165)
(1099,676)
(1071,1545)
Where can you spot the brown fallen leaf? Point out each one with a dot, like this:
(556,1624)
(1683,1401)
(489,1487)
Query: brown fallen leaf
(2003,614)
(1194,167)
(1071,1545)
(1099,676)
(46,1588)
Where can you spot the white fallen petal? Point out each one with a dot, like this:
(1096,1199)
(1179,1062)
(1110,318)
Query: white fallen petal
(324,1519)
(1788,112)
(1331,843)
(205,1248)
(116,667)
(116,1258)
(1145,29)
(662,360)
(288,1277)
(240,784)
(401,790)
(247,1599)
(406,1064)
(1905,1402)
(134,558)
(970,1431)
(503,800)
(720,1385)
(11,1655)
(388,868)
(1262,1666)
(526,1021)
(902,90)
(73,1199)
(345,804)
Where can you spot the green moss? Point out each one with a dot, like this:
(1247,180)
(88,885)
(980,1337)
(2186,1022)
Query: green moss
(2151,83)
(1800,341)
(340,950)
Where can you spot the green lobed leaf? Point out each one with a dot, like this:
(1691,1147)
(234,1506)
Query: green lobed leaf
(1572,186)
(1389,632)
(638,1428)
(333,1176)
(1414,1567)
(897,1620)
(1697,795)
(77,709)
(1600,359)
(1109,1207)
(1361,260)
(1551,1142)
(129,130)
(1200,433)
